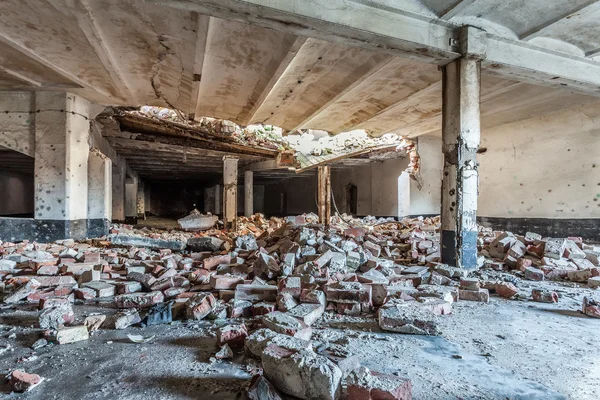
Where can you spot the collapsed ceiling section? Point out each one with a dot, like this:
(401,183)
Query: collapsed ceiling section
(162,143)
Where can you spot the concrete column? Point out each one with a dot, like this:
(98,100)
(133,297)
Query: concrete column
(118,194)
(324,194)
(248,193)
(131,191)
(141,200)
(99,194)
(61,166)
(460,135)
(218,202)
(230,173)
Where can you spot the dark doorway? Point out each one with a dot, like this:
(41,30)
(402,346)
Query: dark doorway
(351,199)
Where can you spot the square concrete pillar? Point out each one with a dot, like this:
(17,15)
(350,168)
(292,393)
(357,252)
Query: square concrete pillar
(141,200)
(230,173)
(131,192)
(461,81)
(118,193)
(248,193)
(324,194)
(99,194)
(61,166)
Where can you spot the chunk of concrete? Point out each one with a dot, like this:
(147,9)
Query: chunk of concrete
(200,306)
(303,374)
(257,341)
(142,241)
(287,324)
(409,317)
(364,384)
(208,243)
(57,317)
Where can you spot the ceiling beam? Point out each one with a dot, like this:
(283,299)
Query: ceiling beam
(397,31)
(378,67)
(67,75)
(405,33)
(456,8)
(20,76)
(546,25)
(407,102)
(202,37)
(123,144)
(283,66)
(593,53)
(526,63)
(86,21)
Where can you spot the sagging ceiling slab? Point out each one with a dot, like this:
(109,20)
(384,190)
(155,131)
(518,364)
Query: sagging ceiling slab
(210,58)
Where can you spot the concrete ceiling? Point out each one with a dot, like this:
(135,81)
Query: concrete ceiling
(132,52)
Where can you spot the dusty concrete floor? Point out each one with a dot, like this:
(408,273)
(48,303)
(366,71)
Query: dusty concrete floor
(506,349)
(157,223)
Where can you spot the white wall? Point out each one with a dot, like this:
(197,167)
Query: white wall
(426,200)
(17,130)
(545,167)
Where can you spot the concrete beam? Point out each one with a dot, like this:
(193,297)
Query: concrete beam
(83,14)
(203,23)
(460,135)
(406,34)
(531,64)
(397,31)
(456,8)
(283,65)
(541,29)
(378,67)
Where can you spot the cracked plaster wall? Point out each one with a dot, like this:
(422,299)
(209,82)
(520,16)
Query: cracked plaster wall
(543,167)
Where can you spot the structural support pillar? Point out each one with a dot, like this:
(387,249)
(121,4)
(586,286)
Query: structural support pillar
(230,174)
(99,194)
(118,193)
(140,204)
(248,193)
(61,166)
(460,134)
(324,194)
(131,192)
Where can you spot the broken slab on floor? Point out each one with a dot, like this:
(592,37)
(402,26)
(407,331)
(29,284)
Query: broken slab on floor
(130,240)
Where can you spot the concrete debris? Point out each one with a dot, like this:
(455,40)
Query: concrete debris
(591,307)
(366,384)
(544,296)
(124,319)
(20,381)
(302,373)
(261,389)
(57,317)
(270,287)
(71,334)
(196,221)
(225,353)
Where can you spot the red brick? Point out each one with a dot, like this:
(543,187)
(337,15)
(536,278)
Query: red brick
(21,381)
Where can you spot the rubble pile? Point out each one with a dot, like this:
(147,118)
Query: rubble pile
(270,282)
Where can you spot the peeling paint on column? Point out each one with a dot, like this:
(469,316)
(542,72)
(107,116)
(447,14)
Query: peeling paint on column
(230,172)
(461,136)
